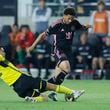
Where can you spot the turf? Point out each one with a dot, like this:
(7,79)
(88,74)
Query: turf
(97,97)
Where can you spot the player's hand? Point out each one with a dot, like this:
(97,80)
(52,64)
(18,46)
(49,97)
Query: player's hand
(88,26)
(29,49)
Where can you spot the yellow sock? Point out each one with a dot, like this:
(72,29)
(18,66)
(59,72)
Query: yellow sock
(64,90)
(40,99)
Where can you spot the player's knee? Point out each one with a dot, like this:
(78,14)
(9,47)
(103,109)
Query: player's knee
(66,70)
(65,66)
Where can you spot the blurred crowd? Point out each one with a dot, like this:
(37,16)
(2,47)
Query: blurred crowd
(91,50)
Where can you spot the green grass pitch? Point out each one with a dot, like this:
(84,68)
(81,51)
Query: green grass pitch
(97,97)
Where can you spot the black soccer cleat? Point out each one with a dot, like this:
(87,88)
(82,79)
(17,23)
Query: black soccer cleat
(53,96)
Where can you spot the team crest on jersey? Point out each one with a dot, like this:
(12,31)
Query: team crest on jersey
(62,30)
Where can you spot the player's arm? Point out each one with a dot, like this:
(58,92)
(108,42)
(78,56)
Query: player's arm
(51,30)
(79,26)
(40,38)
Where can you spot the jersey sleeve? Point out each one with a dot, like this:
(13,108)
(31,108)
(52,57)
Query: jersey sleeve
(79,26)
(2,58)
(53,28)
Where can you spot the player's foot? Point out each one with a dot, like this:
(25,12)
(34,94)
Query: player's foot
(77,94)
(53,96)
(29,99)
(74,96)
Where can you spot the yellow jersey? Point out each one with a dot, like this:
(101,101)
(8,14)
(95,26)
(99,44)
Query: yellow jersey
(8,72)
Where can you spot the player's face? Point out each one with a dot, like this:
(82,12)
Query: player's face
(68,19)
(2,52)
(42,3)
(101,8)
(24,30)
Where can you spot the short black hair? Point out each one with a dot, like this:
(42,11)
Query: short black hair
(70,11)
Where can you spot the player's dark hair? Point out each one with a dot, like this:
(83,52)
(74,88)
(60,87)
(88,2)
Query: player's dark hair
(70,11)
(14,25)
(101,2)
(24,26)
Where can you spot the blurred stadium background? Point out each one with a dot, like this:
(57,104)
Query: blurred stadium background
(18,14)
(17,17)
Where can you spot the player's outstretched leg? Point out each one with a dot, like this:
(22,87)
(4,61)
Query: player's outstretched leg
(70,95)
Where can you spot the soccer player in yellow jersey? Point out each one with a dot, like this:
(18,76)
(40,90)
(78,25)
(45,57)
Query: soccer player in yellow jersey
(25,86)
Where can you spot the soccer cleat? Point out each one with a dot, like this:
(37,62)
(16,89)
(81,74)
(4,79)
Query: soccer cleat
(77,94)
(69,97)
(53,96)
(30,99)
(74,96)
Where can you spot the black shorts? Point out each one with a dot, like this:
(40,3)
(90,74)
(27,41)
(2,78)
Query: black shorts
(61,56)
(25,85)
